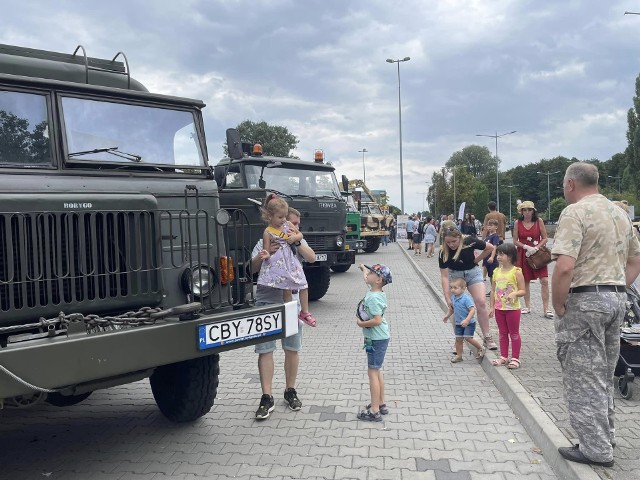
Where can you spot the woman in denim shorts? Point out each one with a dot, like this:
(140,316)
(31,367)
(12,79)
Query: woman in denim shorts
(457,259)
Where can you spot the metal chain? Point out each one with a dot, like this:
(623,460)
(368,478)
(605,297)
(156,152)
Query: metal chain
(143,316)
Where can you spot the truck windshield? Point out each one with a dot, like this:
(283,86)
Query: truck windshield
(294,181)
(107,132)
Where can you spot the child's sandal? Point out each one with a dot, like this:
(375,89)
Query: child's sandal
(498,362)
(513,364)
(480,353)
(307,318)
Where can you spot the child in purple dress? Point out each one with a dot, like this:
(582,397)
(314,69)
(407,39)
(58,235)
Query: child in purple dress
(282,269)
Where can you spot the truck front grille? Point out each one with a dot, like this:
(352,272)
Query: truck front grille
(51,261)
(321,243)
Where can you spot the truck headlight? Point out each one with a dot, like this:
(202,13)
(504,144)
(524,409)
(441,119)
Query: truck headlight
(199,280)
(222,217)
(339,241)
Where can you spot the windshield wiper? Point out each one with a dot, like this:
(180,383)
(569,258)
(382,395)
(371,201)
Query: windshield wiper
(329,196)
(111,150)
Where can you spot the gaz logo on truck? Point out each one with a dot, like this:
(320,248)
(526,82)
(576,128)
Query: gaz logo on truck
(77,206)
(327,205)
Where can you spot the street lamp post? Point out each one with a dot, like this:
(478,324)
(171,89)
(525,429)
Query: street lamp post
(548,174)
(389,60)
(496,137)
(510,187)
(616,178)
(364,170)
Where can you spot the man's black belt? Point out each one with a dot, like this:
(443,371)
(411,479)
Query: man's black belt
(598,288)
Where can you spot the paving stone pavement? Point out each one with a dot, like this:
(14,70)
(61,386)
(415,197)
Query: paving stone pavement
(447,421)
(540,375)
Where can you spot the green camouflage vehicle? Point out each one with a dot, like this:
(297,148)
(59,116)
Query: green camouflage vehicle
(114,259)
(374,223)
(310,187)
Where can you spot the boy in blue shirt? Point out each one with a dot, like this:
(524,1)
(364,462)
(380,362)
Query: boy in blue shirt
(370,317)
(464,310)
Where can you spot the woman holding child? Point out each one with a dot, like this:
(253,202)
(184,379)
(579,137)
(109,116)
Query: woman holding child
(457,259)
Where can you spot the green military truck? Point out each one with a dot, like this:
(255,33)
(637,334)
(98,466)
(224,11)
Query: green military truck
(310,187)
(114,255)
(374,223)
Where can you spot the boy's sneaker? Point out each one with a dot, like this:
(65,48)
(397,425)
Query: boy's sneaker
(369,416)
(265,408)
(383,409)
(291,397)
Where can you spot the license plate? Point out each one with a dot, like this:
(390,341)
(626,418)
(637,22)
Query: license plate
(239,329)
(321,257)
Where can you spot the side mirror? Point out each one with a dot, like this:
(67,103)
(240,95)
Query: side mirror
(234,145)
(345,183)
(218,175)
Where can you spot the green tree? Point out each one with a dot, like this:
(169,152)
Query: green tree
(476,159)
(633,139)
(557,205)
(276,140)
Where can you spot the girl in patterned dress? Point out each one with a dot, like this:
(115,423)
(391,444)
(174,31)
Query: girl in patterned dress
(282,269)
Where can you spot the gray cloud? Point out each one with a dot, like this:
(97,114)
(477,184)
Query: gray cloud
(560,73)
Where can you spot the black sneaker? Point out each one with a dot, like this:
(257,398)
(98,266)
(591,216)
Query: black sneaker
(369,416)
(383,409)
(265,408)
(291,397)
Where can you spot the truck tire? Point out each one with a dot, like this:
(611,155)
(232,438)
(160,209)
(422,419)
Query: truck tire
(60,400)
(185,391)
(318,279)
(372,244)
(341,268)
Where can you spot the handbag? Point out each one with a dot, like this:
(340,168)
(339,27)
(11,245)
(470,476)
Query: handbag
(540,259)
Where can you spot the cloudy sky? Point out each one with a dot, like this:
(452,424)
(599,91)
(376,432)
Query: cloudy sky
(560,72)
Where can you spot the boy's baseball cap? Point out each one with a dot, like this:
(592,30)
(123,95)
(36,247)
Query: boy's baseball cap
(382,271)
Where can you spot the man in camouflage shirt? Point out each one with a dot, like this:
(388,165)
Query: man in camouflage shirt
(597,256)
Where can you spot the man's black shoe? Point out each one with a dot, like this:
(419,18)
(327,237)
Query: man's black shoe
(573,454)
(291,397)
(265,408)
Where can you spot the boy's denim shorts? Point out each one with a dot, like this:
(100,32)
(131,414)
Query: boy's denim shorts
(467,331)
(375,353)
(472,276)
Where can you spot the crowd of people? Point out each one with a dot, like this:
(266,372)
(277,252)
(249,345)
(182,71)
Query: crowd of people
(597,256)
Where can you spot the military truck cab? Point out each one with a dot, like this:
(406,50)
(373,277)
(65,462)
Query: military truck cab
(310,187)
(114,263)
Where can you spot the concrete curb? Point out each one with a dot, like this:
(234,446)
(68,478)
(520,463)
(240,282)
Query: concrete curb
(535,421)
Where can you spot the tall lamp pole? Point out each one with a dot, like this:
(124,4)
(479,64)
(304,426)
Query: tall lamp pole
(364,170)
(510,187)
(496,137)
(548,174)
(616,178)
(389,60)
